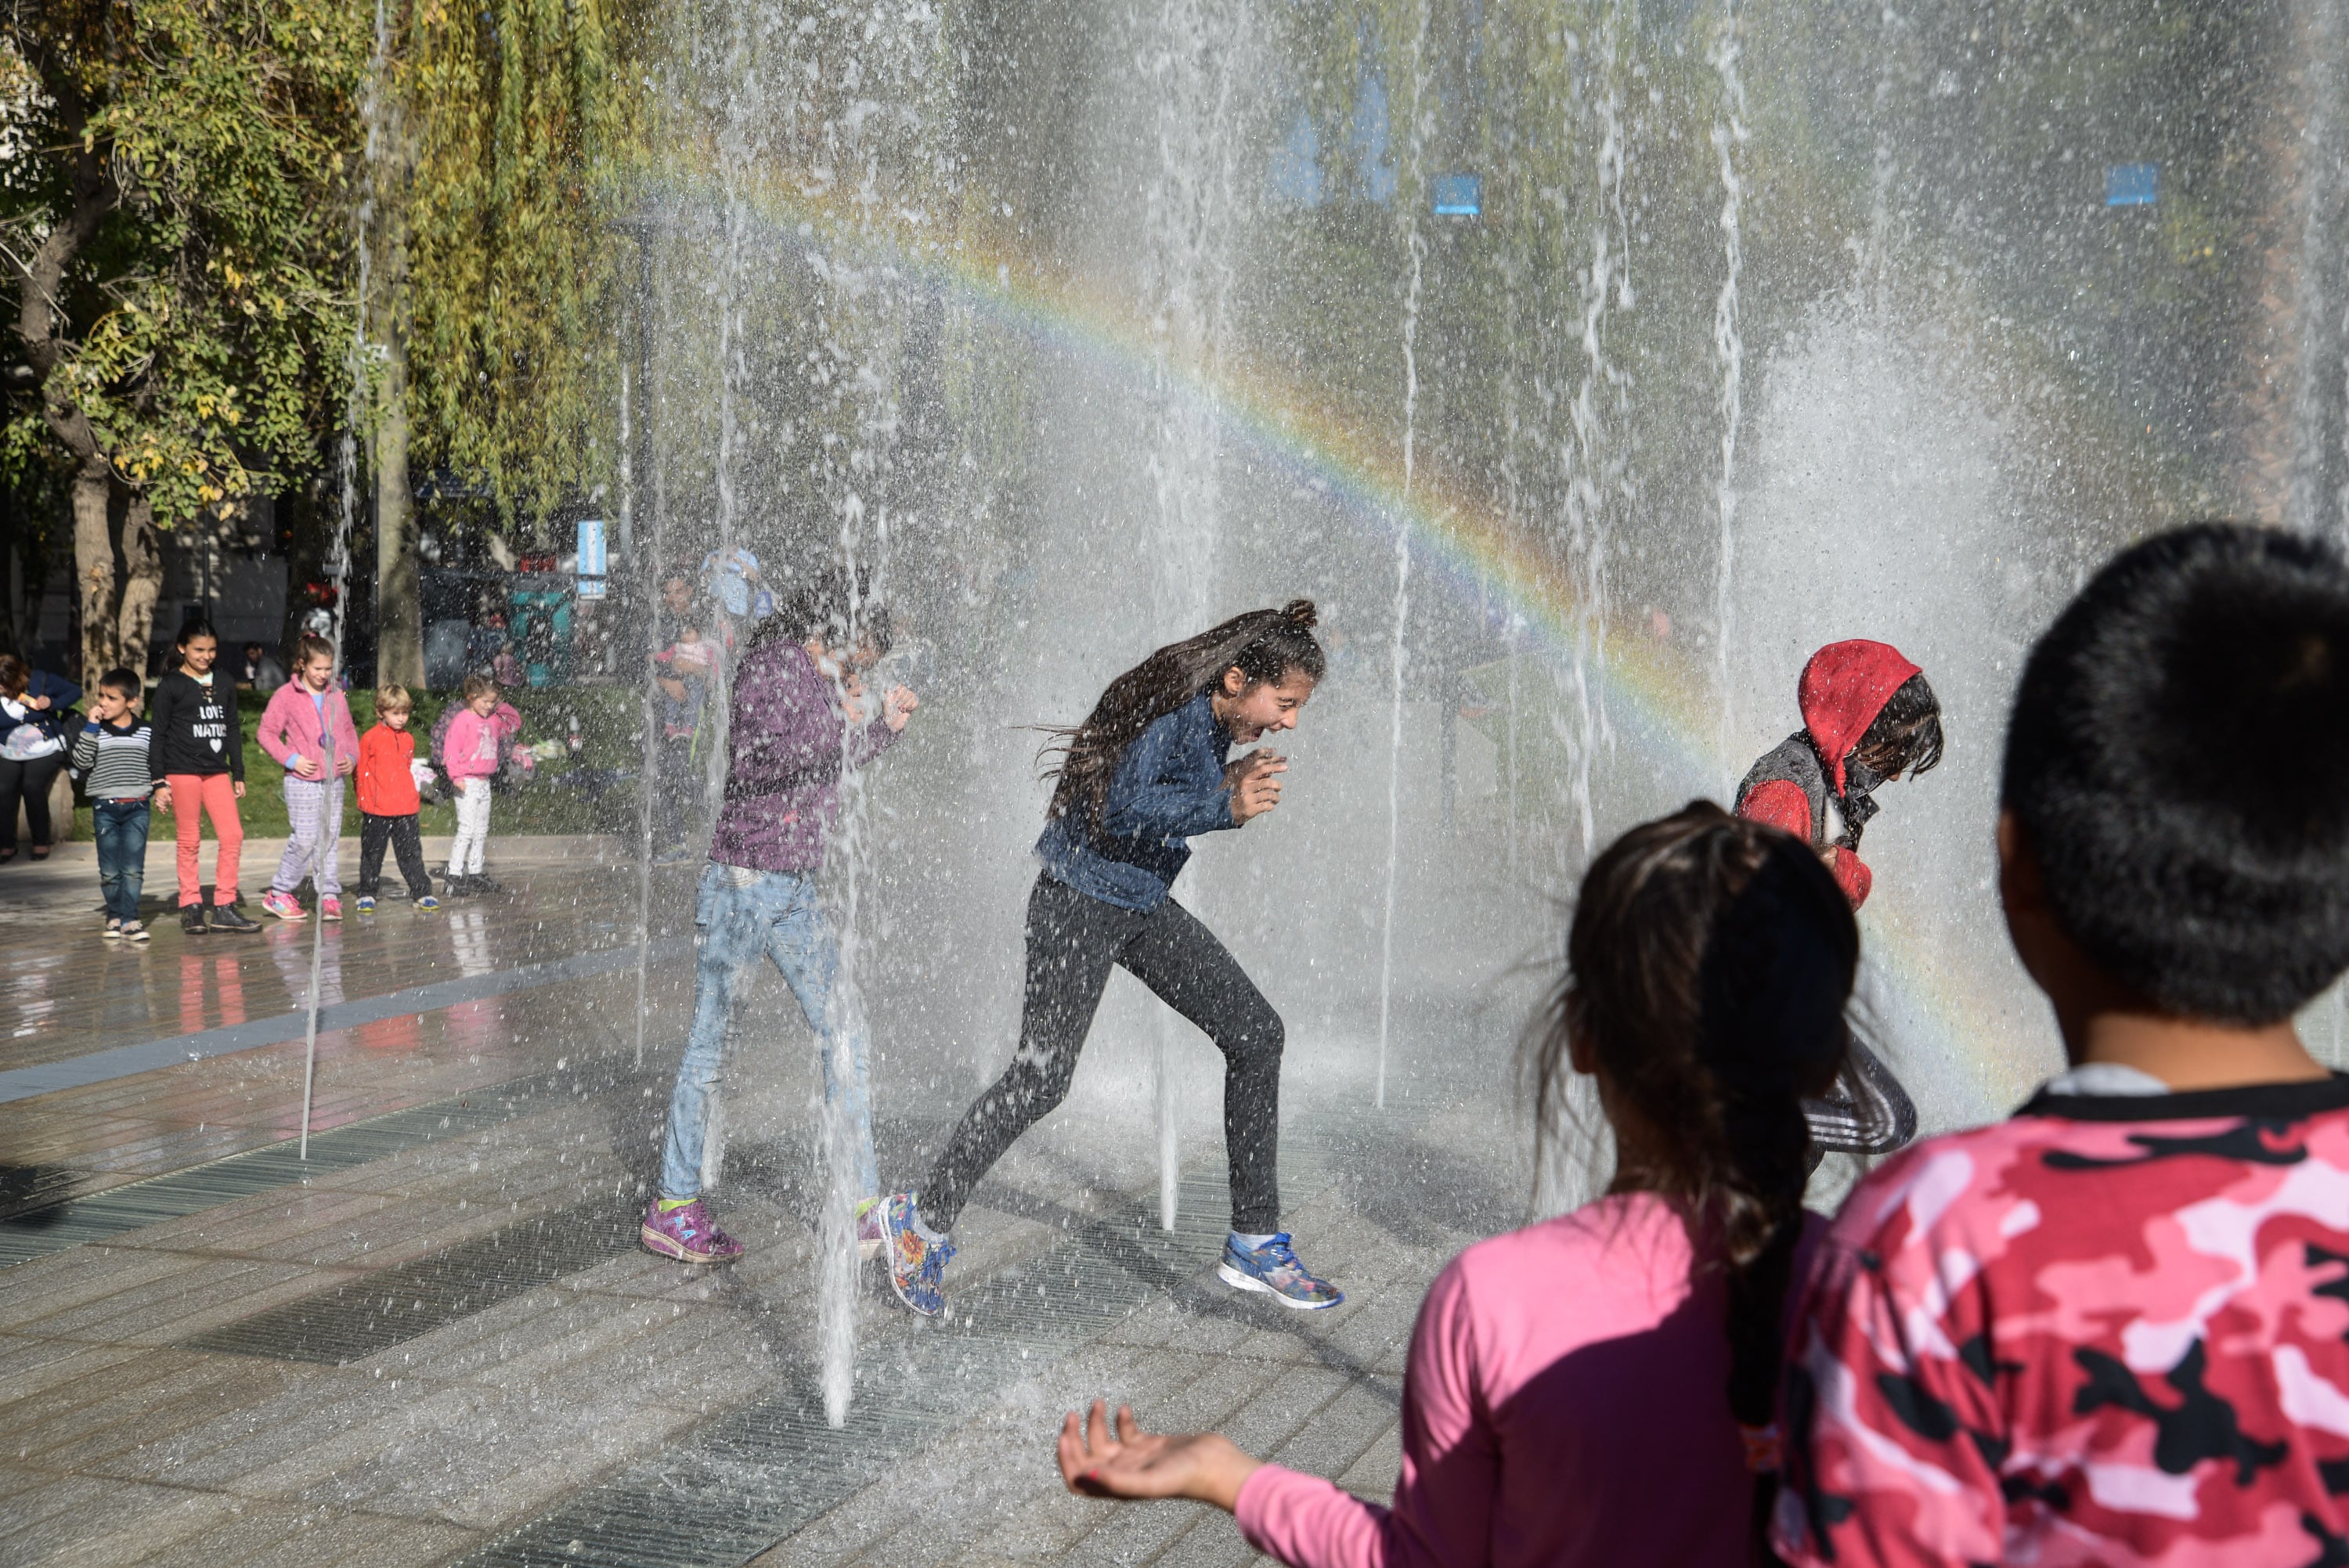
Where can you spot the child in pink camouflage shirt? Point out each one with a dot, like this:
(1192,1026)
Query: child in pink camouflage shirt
(2115,1328)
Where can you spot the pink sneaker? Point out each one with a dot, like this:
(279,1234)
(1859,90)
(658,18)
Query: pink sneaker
(688,1234)
(283,905)
(330,908)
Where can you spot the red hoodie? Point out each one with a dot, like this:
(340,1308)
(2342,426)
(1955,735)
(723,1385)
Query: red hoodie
(1843,688)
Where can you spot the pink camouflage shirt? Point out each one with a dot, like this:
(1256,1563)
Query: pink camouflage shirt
(2111,1331)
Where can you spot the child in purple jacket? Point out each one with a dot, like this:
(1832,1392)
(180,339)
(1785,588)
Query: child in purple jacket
(797,725)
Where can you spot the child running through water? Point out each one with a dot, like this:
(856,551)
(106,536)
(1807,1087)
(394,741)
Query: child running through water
(389,804)
(1598,1389)
(476,734)
(110,753)
(197,760)
(798,727)
(307,729)
(2115,1327)
(1868,717)
(1144,774)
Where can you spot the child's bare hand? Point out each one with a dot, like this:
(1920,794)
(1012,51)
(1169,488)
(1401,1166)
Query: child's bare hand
(1255,783)
(305,768)
(897,706)
(240,788)
(1127,1461)
(162,798)
(346,766)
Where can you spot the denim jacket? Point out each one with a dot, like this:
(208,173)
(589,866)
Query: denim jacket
(1168,786)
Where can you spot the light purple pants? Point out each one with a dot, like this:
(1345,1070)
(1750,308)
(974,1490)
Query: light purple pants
(311,806)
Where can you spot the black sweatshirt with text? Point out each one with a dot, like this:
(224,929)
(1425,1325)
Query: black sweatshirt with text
(195,727)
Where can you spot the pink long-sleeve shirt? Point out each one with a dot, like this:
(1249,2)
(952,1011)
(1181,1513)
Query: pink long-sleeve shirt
(290,725)
(1566,1403)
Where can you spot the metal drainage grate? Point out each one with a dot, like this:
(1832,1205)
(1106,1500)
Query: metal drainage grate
(390,1307)
(761,1473)
(77,1220)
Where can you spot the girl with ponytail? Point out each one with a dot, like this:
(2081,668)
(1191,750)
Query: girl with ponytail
(1599,1388)
(1148,771)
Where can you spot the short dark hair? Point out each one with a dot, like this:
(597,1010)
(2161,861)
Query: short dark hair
(121,683)
(2178,759)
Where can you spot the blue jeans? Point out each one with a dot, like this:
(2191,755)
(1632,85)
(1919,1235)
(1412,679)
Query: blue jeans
(122,833)
(746,916)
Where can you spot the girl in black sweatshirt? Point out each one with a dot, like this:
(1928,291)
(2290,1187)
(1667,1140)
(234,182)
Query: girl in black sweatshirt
(196,754)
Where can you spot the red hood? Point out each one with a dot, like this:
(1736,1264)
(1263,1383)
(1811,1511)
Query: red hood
(1843,688)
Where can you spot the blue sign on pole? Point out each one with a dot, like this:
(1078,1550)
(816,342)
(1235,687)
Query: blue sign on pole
(591,566)
(1459,195)
(2132,184)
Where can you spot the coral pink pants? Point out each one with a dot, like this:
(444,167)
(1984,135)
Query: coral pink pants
(216,794)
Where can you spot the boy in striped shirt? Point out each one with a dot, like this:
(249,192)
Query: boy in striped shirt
(110,753)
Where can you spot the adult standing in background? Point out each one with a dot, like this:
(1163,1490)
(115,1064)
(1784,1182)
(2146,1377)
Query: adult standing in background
(33,706)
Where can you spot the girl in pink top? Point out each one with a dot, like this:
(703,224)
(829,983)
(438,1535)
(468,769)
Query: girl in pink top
(1598,1388)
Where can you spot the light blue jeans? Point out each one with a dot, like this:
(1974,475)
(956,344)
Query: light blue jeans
(745,915)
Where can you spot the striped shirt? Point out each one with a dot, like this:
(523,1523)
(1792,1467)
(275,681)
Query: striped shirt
(115,759)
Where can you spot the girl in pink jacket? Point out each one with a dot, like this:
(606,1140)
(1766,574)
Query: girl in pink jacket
(1599,1388)
(308,729)
(470,751)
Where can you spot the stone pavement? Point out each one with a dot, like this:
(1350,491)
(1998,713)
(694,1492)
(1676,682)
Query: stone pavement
(437,1341)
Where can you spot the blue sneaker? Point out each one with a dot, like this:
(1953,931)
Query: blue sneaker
(366,903)
(917,1267)
(1274,1267)
(427,903)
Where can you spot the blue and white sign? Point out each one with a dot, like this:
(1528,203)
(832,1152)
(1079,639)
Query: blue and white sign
(1459,195)
(2132,184)
(591,558)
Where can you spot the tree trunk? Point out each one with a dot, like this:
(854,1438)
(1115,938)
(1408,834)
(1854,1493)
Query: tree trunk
(399,594)
(93,568)
(142,584)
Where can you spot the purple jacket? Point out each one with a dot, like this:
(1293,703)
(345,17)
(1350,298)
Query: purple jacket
(783,762)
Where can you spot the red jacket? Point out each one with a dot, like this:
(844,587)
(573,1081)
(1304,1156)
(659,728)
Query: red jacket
(387,789)
(1843,688)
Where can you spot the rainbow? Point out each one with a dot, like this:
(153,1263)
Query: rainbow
(1657,696)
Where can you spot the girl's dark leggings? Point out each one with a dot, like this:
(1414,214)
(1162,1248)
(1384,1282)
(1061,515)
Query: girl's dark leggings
(1073,941)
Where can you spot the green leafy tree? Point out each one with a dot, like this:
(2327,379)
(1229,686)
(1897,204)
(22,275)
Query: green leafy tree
(176,235)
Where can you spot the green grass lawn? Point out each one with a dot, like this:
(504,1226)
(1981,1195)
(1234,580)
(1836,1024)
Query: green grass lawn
(608,725)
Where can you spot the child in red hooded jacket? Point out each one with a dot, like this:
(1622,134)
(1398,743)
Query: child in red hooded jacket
(1868,717)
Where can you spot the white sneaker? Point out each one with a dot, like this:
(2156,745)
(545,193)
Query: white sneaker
(113,930)
(132,931)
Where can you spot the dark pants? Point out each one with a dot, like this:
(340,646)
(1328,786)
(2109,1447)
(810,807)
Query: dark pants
(677,791)
(406,842)
(1073,941)
(121,829)
(31,780)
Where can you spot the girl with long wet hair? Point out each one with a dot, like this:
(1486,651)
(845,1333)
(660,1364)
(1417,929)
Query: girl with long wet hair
(1599,1388)
(1148,771)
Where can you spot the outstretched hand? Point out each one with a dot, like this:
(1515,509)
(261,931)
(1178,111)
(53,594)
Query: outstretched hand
(1099,1461)
(1253,782)
(897,705)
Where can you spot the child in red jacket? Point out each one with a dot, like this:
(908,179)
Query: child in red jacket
(388,803)
(1868,717)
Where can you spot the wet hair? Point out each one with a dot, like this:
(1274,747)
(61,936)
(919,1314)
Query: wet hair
(312,647)
(1264,645)
(820,609)
(478,684)
(393,699)
(123,683)
(14,673)
(1910,723)
(1709,964)
(2175,760)
(190,632)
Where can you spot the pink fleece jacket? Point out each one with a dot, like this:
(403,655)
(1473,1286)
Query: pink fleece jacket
(472,745)
(289,726)
(1566,1403)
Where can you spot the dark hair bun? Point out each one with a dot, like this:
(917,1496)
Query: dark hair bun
(1300,613)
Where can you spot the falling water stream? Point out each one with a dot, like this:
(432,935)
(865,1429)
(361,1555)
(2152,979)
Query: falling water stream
(372,110)
(1729,345)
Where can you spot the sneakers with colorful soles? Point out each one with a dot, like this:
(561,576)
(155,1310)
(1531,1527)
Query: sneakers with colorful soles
(688,1234)
(283,905)
(1273,1267)
(917,1267)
